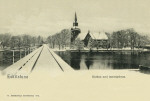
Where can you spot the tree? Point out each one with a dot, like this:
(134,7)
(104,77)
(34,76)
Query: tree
(58,40)
(61,39)
(5,39)
(49,40)
(126,38)
(16,41)
(132,38)
(40,40)
(79,44)
(65,37)
(33,40)
(109,43)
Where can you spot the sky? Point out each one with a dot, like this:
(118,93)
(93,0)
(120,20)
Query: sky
(47,17)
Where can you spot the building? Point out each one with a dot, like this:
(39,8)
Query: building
(74,30)
(98,40)
(1,45)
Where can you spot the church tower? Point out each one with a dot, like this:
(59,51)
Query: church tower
(74,30)
(75,24)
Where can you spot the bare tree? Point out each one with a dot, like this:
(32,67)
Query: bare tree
(79,44)
(5,40)
(61,39)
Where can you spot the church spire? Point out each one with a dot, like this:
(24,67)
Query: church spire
(75,20)
(75,17)
(74,30)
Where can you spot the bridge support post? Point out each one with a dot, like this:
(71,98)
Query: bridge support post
(20,54)
(13,56)
(28,51)
(25,51)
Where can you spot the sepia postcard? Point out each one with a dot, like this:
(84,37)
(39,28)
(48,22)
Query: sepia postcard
(74,50)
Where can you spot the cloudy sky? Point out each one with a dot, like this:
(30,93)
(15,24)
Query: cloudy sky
(46,17)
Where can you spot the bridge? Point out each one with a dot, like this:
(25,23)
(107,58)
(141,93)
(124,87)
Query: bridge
(41,59)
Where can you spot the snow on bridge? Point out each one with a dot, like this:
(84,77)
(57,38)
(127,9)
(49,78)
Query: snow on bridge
(42,59)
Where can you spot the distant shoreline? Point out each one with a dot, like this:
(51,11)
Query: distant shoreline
(103,50)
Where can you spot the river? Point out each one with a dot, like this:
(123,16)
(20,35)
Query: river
(87,60)
(105,60)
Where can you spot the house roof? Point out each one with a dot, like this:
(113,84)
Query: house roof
(97,36)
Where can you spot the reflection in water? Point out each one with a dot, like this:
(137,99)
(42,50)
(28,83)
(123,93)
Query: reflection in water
(6,58)
(105,60)
(75,60)
(145,71)
(95,60)
(88,61)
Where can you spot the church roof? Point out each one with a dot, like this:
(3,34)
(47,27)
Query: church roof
(82,36)
(99,36)
(96,36)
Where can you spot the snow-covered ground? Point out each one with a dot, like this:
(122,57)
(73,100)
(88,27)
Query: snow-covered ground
(42,59)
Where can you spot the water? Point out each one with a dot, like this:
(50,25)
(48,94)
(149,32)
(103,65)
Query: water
(105,60)
(6,58)
(86,60)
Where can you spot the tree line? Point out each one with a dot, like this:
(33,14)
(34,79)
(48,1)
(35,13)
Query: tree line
(19,41)
(127,38)
(117,39)
(60,40)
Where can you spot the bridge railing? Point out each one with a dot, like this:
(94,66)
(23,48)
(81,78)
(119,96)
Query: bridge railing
(63,65)
(14,68)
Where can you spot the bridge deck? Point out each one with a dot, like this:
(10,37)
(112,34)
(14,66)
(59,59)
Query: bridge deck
(42,59)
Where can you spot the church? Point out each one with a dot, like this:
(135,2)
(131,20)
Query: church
(90,40)
(98,40)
